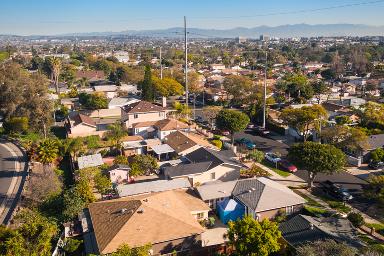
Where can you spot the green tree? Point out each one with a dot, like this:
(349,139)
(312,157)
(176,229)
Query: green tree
(121,160)
(341,120)
(84,189)
(71,245)
(125,250)
(93,101)
(147,90)
(297,86)
(253,238)
(304,119)
(326,248)
(345,137)
(55,66)
(256,155)
(319,88)
(73,203)
(375,188)
(102,183)
(115,133)
(47,151)
(356,219)
(377,155)
(167,86)
(317,158)
(240,87)
(16,125)
(232,121)
(182,110)
(143,164)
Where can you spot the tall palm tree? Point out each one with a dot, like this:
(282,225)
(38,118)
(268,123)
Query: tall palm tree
(115,134)
(55,66)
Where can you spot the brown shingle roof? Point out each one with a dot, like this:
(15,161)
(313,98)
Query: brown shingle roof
(142,107)
(170,124)
(156,218)
(144,124)
(90,74)
(80,118)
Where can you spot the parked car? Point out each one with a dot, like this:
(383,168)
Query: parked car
(246,142)
(287,166)
(376,165)
(261,131)
(272,157)
(336,191)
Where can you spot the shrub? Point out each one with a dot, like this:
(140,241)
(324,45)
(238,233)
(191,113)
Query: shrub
(120,160)
(356,219)
(377,154)
(16,125)
(71,245)
(217,143)
(256,155)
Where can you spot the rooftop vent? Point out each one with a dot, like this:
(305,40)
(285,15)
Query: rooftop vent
(311,226)
(140,211)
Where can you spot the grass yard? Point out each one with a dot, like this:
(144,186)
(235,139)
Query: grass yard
(276,170)
(310,201)
(315,211)
(378,227)
(337,205)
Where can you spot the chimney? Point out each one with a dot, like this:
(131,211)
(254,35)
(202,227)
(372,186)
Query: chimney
(164,102)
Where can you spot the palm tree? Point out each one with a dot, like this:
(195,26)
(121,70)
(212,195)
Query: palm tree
(55,66)
(47,151)
(73,147)
(115,134)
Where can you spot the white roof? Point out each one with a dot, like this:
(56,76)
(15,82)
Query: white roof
(151,187)
(89,161)
(162,149)
(105,88)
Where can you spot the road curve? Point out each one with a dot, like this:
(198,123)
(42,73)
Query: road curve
(13,170)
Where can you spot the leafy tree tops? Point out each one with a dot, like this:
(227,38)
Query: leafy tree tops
(232,121)
(317,158)
(253,238)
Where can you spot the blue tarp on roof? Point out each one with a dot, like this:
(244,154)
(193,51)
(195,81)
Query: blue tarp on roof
(229,209)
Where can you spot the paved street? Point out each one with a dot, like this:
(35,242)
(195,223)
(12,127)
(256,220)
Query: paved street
(12,172)
(263,143)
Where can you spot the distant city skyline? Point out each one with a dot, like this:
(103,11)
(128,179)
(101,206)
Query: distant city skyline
(45,17)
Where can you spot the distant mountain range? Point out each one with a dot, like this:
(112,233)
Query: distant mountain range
(283,31)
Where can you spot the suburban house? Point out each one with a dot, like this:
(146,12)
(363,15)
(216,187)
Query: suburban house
(124,190)
(303,229)
(80,125)
(118,102)
(167,126)
(119,173)
(374,141)
(184,143)
(90,75)
(141,112)
(206,165)
(167,220)
(109,90)
(259,197)
(133,145)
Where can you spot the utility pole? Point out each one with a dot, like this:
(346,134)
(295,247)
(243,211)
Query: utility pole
(161,65)
(265,90)
(186,60)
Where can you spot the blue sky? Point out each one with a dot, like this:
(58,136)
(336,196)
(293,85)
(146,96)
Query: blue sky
(26,17)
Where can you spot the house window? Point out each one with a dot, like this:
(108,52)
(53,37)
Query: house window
(200,215)
(136,116)
(213,176)
(289,210)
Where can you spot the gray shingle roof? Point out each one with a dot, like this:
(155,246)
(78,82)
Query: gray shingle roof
(209,155)
(216,190)
(151,186)
(186,169)
(262,194)
(302,229)
(376,141)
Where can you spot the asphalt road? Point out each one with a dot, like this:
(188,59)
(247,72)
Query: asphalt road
(263,143)
(12,173)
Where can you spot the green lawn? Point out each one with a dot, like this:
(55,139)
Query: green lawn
(315,211)
(378,227)
(276,170)
(337,205)
(310,201)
